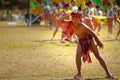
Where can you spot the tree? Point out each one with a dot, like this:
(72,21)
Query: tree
(118,2)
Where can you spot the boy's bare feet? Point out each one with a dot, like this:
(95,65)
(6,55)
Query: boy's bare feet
(52,38)
(78,76)
(110,76)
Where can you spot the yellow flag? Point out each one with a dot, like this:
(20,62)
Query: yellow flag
(37,11)
(82,3)
(67,1)
(57,1)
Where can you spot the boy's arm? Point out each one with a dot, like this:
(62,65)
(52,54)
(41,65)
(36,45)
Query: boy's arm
(64,17)
(90,31)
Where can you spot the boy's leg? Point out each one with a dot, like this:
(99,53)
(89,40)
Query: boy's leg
(100,59)
(118,32)
(108,31)
(99,28)
(78,61)
(111,31)
(56,30)
(63,35)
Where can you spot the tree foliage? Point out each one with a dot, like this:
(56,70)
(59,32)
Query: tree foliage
(118,2)
(14,3)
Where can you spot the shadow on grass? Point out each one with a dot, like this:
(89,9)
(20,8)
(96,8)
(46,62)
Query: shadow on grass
(95,79)
(86,79)
(47,40)
(111,40)
(55,42)
(92,79)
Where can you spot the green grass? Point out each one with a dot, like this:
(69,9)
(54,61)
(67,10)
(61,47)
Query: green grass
(26,53)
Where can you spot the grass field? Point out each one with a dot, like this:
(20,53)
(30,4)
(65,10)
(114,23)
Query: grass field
(26,53)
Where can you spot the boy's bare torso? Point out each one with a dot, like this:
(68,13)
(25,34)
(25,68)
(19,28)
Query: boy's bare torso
(80,31)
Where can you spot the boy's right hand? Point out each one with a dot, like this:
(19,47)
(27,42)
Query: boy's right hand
(100,45)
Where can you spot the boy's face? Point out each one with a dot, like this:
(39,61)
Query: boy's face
(110,6)
(75,20)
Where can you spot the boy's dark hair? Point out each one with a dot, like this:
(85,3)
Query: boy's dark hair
(88,3)
(45,2)
(56,4)
(72,1)
(109,4)
(79,8)
(97,6)
(66,5)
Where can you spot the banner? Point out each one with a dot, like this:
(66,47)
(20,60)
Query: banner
(57,1)
(39,1)
(67,1)
(104,2)
(37,5)
(81,3)
(37,11)
(98,2)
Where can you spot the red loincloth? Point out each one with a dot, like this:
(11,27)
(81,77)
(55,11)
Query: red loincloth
(85,44)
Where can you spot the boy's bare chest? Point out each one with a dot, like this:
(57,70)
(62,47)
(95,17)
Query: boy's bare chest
(80,32)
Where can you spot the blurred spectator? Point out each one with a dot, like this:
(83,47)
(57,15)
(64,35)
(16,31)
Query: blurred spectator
(8,15)
(27,18)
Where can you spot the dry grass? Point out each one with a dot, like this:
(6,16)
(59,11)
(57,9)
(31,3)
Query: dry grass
(26,53)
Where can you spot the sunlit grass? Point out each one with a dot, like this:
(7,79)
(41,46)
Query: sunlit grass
(27,53)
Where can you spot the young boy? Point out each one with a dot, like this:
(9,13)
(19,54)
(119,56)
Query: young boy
(87,41)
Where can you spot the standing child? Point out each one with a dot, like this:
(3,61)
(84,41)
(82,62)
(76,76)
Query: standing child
(88,12)
(57,23)
(110,19)
(87,41)
(98,22)
(46,13)
(67,30)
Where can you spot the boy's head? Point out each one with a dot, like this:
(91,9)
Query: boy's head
(109,5)
(76,17)
(73,3)
(66,6)
(89,4)
(97,7)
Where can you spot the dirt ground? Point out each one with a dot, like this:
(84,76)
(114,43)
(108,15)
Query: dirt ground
(27,53)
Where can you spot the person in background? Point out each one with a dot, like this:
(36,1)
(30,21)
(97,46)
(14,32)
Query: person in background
(110,19)
(57,23)
(9,15)
(115,9)
(46,13)
(73,5)
(97,21)
(27,18)
(88,12)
